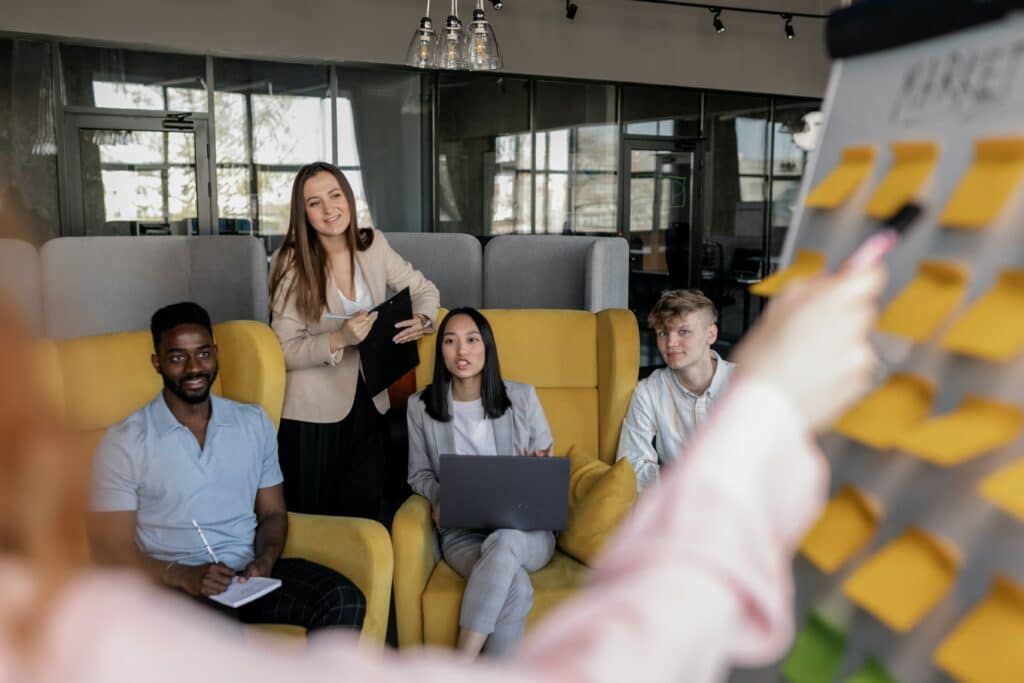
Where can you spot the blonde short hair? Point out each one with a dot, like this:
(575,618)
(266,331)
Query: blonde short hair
(677,303)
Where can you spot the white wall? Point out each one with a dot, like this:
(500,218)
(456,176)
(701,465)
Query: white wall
(617,40)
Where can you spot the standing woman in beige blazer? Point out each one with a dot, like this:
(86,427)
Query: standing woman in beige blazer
(333,434)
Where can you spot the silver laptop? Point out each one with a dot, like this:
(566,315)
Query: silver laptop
(504,492)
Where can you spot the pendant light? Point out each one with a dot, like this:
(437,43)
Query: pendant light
(482,52)
(423,47)
(451,48)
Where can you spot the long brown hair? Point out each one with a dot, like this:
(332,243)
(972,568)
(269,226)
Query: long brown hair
(302,260)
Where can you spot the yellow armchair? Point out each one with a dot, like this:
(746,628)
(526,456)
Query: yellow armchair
(97,381)
(584,366)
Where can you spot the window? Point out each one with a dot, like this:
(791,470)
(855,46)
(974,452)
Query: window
(383,129)
(788,163)
(113,78)
(485,165)
(661,111)
(271,119)
(577,146)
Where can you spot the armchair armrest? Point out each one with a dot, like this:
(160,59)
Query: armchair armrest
(358,548)
(412,532)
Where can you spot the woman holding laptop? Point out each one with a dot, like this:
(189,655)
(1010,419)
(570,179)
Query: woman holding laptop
(470,410)
(325,279)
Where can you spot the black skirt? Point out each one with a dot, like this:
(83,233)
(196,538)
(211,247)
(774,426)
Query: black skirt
(336,468)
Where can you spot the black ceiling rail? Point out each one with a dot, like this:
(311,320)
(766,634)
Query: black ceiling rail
(730,8)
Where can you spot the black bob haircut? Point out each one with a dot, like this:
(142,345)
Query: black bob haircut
(492,389)
(183,313)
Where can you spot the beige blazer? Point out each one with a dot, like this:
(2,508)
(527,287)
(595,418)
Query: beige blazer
(319,386)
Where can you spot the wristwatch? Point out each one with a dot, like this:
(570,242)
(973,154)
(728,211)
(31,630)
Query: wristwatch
(428,322)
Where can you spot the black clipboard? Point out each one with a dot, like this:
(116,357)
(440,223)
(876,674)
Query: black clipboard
(383,360)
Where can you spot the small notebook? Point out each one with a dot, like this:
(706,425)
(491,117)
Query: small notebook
(238,593)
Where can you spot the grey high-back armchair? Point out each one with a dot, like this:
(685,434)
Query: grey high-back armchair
(556,271)
(98,285)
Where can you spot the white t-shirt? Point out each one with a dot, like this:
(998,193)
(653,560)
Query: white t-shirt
(474,433)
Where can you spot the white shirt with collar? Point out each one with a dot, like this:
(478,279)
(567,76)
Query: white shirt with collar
(663,416)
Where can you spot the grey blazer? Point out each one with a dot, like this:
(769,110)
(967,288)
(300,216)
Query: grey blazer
(522,426)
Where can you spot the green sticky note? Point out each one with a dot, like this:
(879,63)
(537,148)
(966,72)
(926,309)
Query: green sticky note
(871,672)
(817,653)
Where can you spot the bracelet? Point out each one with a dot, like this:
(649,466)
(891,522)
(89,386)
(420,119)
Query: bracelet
(163,577)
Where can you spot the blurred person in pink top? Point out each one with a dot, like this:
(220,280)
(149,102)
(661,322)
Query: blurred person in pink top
(695,581)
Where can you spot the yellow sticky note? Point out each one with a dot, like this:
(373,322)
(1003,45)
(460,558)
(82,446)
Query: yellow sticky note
(920,308)
(986,645)
(854,166)
(887,413)
(993,327)
(903,581)
(1005,488)
(847,524)
(977,426)
(806,263)
(987,185)
(912,163)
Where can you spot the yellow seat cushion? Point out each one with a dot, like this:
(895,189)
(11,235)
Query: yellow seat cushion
(600,496)
(442,598)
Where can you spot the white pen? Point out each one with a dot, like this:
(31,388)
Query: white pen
(335,316)
(205,542)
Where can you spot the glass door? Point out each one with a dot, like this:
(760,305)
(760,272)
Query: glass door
(137,174)
(659,209)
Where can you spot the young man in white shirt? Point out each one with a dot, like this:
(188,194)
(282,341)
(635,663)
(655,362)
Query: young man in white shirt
(669,406)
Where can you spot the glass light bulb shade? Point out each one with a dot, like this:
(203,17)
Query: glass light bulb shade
(423,46)
(482,51)
(451,47)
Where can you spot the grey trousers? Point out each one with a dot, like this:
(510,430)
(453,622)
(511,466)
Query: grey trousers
(498,594)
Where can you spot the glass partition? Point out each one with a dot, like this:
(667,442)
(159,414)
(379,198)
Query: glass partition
(736,203)
(383,130)
(661,111)
(113,78)
(485,154)
(577,147)
(271,119)
(28,142)
(787,172)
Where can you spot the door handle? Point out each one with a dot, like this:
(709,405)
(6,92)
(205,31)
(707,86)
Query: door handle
(179,121)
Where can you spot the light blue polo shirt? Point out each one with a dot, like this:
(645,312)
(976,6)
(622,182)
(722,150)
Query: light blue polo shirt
(152,464)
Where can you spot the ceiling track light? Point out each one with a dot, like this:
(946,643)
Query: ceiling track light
(571,8)
(717,22)
(716,11)
(497,4)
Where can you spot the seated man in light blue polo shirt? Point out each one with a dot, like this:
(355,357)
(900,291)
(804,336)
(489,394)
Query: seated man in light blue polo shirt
(190,461)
